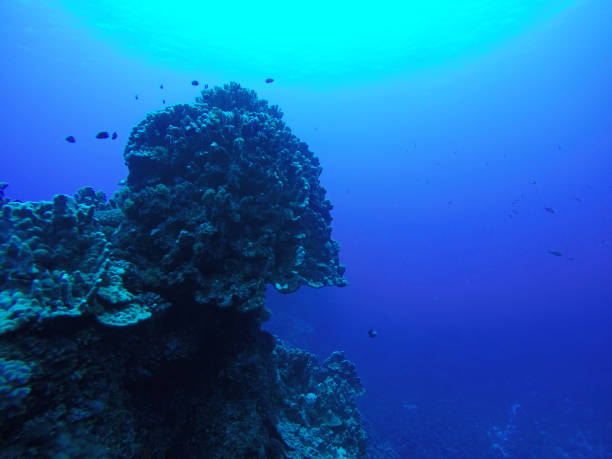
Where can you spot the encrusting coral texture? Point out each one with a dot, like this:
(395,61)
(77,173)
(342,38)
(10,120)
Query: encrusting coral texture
(131,327)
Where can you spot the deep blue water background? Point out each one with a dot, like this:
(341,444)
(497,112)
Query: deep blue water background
(488,345)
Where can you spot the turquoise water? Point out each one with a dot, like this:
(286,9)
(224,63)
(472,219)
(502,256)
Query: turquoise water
(315,42)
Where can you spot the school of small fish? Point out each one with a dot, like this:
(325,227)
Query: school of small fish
(105,134)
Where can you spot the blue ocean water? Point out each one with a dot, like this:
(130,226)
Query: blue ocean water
(466,150)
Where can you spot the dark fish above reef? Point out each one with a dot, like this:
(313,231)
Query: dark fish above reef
(195,82)
(102,135)
(70,139)
(206,86)
(114,135)
(161,86)
(549,209)
(556,253)
(269,80)
(372,333)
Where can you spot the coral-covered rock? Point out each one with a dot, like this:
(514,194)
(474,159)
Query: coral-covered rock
(224,199)
(319,417)
(55,261)
(132,327)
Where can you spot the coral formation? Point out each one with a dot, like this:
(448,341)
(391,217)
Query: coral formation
(131,327)
(228,200)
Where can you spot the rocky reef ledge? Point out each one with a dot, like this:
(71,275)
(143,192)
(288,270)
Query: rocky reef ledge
(131,327)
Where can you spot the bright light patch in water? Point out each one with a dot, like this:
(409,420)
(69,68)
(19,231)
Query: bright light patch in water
(319,38)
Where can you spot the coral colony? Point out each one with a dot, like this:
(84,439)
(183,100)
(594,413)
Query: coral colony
(131,326)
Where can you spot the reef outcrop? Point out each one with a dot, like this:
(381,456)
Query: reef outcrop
(131,327)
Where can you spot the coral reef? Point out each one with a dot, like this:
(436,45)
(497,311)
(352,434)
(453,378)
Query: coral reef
(56,261)
(131,327)
(227,201)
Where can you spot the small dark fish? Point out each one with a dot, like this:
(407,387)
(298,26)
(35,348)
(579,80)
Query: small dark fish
(70,139)
(102,135)
(114,135)
(206,86)
(515,212)
(571,258)
(26,277)
(161,86)
(136,96)
(164,101)
(532,182)
(549,210)
(195,82)
(372,333)
(269,80)
(556,253)
(578,199)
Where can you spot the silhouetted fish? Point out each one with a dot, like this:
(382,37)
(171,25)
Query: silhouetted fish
(549,210)
(556,253)
(269,80)
(102,135)
(372,333)
(114,135)
(164,101)
(206,86)
(161,86)
(195,82)
(70,139)
(26,277)
(136,96)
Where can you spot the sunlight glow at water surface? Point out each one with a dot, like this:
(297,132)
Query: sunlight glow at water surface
(319,38)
